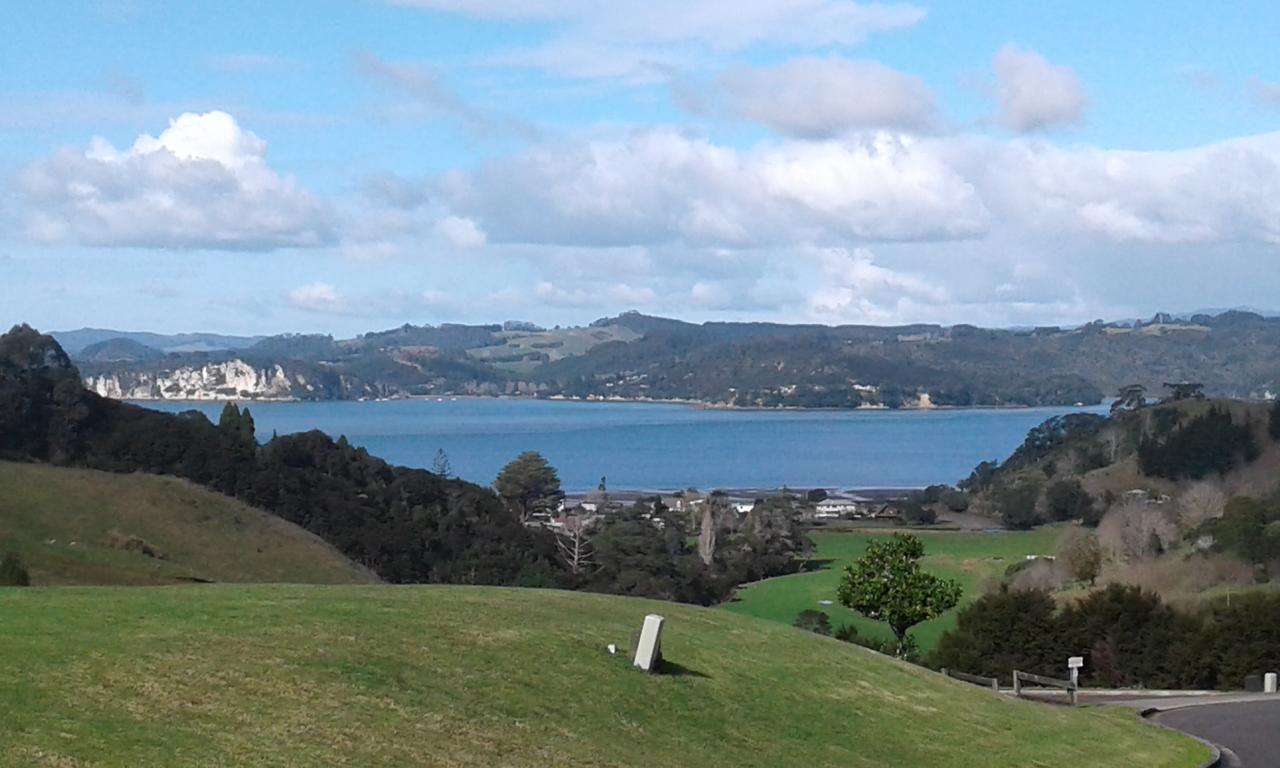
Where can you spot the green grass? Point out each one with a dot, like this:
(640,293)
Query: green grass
(970,558)
(462,676)
(70,525)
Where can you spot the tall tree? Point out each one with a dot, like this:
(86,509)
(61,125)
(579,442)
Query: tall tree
(886,584)
(573,541)
(529,485)
(440,466)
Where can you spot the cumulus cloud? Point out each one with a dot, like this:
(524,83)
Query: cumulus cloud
(316,297)
(664,186)
(460,232)
(822,97)
(202,183)
(854,287)
(1035,94)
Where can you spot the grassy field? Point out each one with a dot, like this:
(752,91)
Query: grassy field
(463,676)
(75,526)
(970,558)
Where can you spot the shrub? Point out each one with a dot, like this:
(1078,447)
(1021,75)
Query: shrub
(1017,504)
(1068,500)
(1081,555)
(13,572)
(1208,443)
(814,621)
(1001,632)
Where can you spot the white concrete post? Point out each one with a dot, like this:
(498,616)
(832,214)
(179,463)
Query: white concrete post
(650,644)
(1269,682)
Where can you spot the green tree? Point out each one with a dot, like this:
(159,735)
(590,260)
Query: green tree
(1068,500)
(13,572)
(1081,554)
(529,485)
(1017,503)
(886,584)
(441,466)
(813,620)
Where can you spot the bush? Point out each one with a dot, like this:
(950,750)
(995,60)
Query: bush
(1208,443)
(814,621)
(1001,632)
(1017,504)
(1068,500)
(13,572)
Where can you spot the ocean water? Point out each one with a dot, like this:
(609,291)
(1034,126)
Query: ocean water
(665,446)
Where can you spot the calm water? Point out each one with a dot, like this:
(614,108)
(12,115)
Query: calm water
(659,446)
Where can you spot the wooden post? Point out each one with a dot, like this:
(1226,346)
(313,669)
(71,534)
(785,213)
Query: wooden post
(1017,683)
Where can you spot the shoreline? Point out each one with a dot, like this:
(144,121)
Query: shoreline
(694,404)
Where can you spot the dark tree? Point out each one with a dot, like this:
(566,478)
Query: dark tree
(815,621)
(1068,500)
(440,465)
(1274,426)
(1000,632)
(529,485)
(13,572)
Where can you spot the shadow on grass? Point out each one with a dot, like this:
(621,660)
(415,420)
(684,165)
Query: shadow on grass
(672,669)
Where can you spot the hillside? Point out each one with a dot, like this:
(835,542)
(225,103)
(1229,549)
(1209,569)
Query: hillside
(462,676)
(75,526)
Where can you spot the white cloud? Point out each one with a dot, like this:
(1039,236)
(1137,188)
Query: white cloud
(202,183)
(855,288)
(635,39)
(1035,94)
(663,186)
(460,232)
(316,297)
(593,295)
(823,97)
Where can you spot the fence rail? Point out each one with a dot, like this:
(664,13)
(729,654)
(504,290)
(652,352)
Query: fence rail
(988,682)
(1050,682)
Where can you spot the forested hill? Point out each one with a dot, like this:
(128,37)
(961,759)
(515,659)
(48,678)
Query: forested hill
(635,356)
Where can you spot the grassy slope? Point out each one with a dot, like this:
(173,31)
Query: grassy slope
(464,676)
(201,535)
(969,558)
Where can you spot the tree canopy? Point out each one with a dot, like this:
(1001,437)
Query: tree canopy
(887,584)
(529,485)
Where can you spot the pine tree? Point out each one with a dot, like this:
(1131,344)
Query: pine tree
(441,464)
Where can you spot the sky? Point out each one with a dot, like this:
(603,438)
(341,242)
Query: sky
(344,166)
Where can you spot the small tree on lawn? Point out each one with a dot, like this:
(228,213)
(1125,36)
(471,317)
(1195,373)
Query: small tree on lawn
(529,485)
(886,584)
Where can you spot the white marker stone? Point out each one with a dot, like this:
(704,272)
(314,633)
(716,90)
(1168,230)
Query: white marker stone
(1269,682)
(650,644)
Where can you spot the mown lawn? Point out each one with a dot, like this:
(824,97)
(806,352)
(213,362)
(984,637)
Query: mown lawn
(465,676)
(969,557)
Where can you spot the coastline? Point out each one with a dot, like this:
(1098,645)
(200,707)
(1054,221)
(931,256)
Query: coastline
(689,403)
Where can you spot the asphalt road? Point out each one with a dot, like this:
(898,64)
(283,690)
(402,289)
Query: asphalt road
(1250,729)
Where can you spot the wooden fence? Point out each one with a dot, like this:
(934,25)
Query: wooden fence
(986,682)
(1050,682)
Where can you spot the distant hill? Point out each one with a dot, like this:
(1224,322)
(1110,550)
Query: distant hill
(119,350)
(471,677)
(74,342)
(76,526)
(635,356)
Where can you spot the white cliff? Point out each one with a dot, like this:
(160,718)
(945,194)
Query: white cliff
(230,380)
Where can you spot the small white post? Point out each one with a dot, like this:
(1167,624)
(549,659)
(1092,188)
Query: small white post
(1074,663)
(1269,682)
(650,644)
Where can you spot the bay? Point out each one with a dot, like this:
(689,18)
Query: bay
(660,446)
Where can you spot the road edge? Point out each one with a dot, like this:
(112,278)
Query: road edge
(1215,751)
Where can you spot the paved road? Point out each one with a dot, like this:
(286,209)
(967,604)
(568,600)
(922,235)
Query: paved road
(1250,729)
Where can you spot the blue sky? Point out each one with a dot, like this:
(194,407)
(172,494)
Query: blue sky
(345,166)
